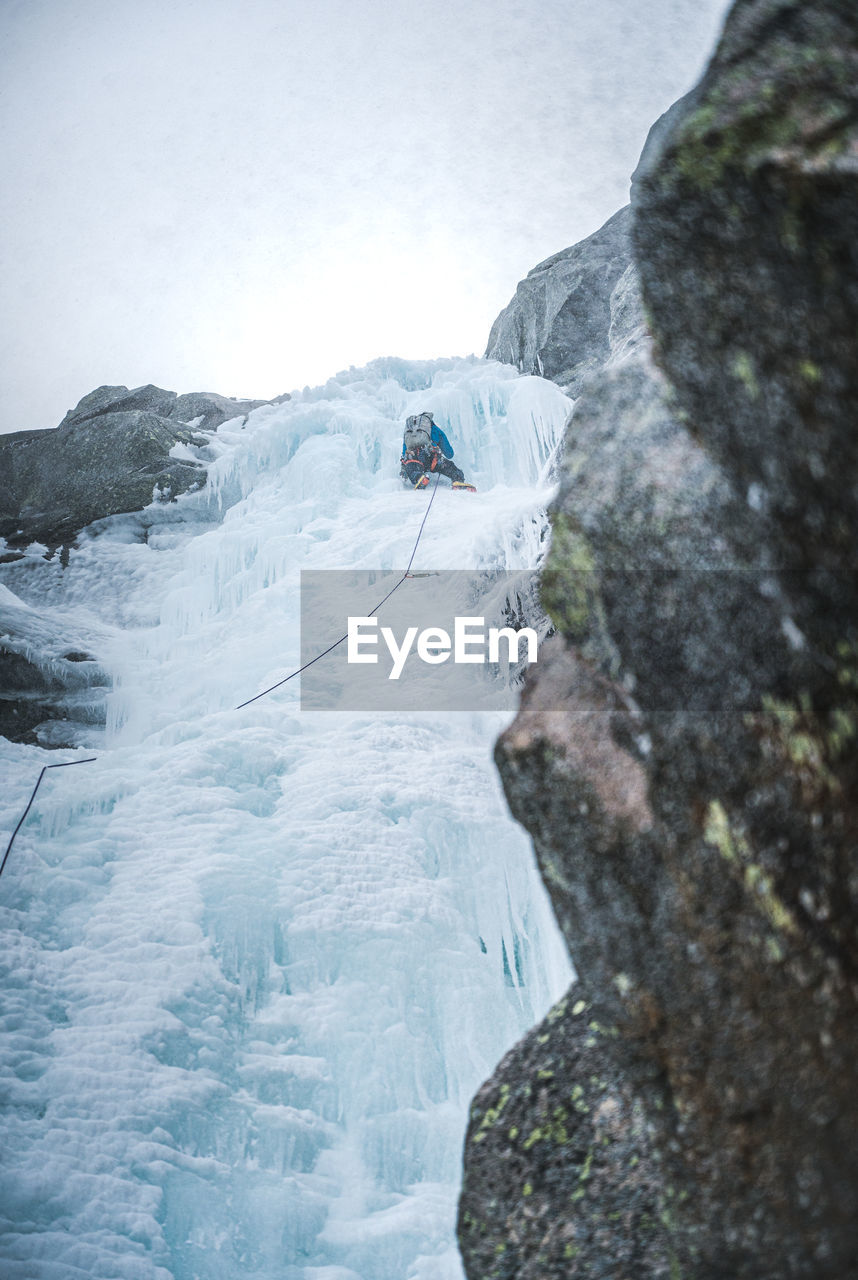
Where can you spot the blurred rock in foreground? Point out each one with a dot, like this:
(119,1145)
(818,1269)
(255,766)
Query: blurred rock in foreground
(687,758)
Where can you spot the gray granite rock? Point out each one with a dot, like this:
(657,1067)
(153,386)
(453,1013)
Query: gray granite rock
(660,132)
(677,696)
(209,411)
(747,234)
(685,756)
(557,1127)
(558,322)
(110,455)
(57,482)
(628,329)
(120,400)
(576,309)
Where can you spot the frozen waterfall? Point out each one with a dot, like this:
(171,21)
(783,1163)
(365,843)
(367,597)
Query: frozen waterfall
(256,963)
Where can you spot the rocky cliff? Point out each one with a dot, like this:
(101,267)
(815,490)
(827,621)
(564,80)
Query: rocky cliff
(117,451)
(685,757)
(558,323)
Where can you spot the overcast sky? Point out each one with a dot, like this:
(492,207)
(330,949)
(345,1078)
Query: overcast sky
(246,196)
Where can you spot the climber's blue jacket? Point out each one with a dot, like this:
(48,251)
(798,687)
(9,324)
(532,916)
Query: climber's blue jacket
(441,440)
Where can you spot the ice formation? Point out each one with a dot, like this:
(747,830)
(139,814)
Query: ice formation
(255,963)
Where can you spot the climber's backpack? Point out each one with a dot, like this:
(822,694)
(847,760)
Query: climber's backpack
(418,432)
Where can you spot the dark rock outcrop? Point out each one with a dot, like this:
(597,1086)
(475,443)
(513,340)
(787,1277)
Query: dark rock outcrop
(120,400)
(685,758)
(557,324)
(57,482)
(111,454)
(750,201)
(206,409)
(556,1127)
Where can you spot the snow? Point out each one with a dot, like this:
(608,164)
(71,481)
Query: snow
(256,963)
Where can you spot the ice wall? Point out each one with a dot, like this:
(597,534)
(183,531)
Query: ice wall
(256,962)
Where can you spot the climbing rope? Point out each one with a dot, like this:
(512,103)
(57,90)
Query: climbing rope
(331,647)
(407,574)
(64,764)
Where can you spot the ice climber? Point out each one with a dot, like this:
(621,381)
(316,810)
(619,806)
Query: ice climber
(426,451)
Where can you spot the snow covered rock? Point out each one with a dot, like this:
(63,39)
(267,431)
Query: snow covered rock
(57,482)
(208,411)
(52,686)
(114,452)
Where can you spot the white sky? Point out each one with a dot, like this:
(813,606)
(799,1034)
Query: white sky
(246,196)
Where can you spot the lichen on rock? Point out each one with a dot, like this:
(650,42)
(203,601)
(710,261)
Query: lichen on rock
(557,1128)
(684,757)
